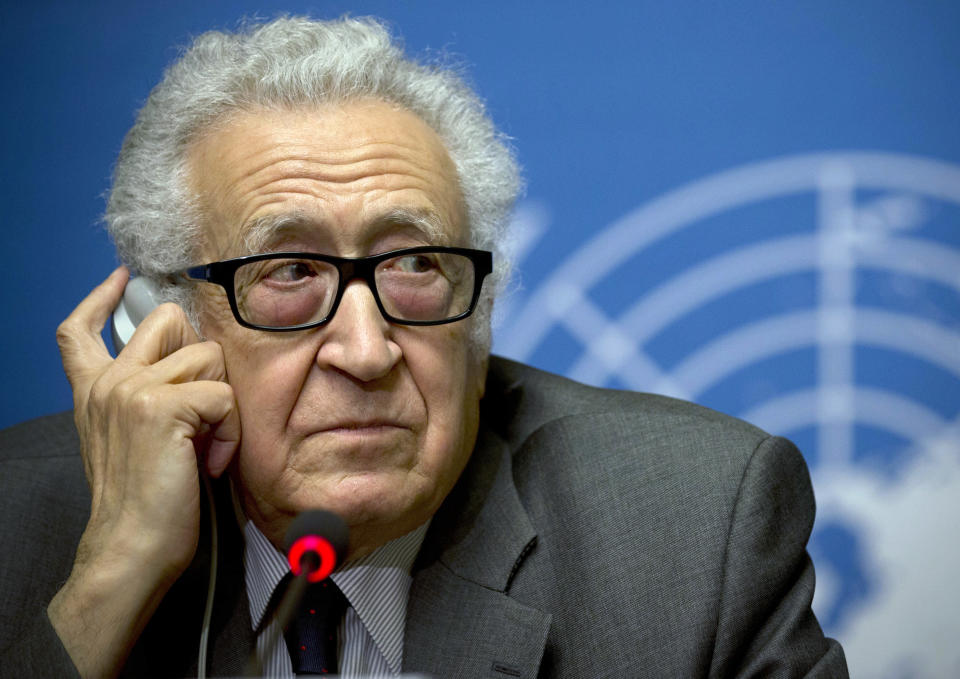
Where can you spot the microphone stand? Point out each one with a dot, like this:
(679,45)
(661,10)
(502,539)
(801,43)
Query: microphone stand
(285,612)
(310,531)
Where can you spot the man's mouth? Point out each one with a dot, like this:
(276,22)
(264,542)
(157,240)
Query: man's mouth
(362,427)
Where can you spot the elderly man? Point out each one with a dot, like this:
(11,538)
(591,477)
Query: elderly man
(322,211)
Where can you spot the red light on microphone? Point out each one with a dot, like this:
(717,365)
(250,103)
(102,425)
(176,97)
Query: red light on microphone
(316,543)
(317,547)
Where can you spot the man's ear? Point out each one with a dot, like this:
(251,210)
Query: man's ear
(482,364)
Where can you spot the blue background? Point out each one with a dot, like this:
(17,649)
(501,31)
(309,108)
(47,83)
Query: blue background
(608,105)
(611,106)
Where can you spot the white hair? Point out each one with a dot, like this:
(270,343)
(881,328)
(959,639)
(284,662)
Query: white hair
(292,63)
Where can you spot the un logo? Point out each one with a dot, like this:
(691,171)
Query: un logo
(817,296)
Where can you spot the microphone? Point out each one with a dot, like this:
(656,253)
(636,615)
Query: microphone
(316,543)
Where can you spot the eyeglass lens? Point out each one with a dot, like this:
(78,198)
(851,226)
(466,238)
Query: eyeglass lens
(431,286)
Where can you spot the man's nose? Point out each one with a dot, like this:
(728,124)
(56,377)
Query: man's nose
(357,339)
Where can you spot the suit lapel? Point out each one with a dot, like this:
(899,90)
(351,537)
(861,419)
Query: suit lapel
(456,628)
(460,620)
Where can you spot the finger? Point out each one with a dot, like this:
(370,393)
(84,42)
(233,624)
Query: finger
(164,331)
(212,404)
(191,363)
(220,455)
(203,364)
(81,347)
(225,441)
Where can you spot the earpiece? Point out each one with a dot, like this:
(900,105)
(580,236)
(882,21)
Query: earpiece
(140,297)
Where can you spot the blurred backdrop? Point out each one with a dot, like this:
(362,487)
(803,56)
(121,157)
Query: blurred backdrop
(752,205)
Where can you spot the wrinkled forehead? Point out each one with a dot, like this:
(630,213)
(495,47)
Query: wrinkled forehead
(348,174)
(270,231)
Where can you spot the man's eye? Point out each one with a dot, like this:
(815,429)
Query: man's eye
(290,272)
(415,264)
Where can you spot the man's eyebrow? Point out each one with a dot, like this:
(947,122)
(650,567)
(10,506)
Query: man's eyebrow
(258,235)
(261,231)
(424,220)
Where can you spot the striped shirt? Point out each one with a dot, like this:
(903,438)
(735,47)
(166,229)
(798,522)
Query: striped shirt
(376,587)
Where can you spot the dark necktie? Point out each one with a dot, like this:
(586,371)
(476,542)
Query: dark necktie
(312,635)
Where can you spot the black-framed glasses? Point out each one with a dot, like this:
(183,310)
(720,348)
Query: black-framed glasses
(279,291)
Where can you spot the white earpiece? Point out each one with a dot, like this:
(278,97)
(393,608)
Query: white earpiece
(140,297)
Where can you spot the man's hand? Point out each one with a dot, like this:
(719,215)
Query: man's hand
(145,421)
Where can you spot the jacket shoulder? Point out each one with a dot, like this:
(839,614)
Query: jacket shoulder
(44,437)
(658,514)
(618,456)
(522,401)
(45,502)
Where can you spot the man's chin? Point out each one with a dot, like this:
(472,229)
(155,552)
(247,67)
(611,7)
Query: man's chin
(366,499)
(376,508)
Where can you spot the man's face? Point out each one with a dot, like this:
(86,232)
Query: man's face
(369,419)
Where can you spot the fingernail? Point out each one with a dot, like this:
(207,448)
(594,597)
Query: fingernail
(219,455)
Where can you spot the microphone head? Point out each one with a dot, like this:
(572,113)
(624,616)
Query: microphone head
(316,542)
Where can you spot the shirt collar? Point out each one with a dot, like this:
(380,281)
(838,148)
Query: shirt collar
(377,587)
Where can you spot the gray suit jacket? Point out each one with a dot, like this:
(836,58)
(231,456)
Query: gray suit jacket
(593,533)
